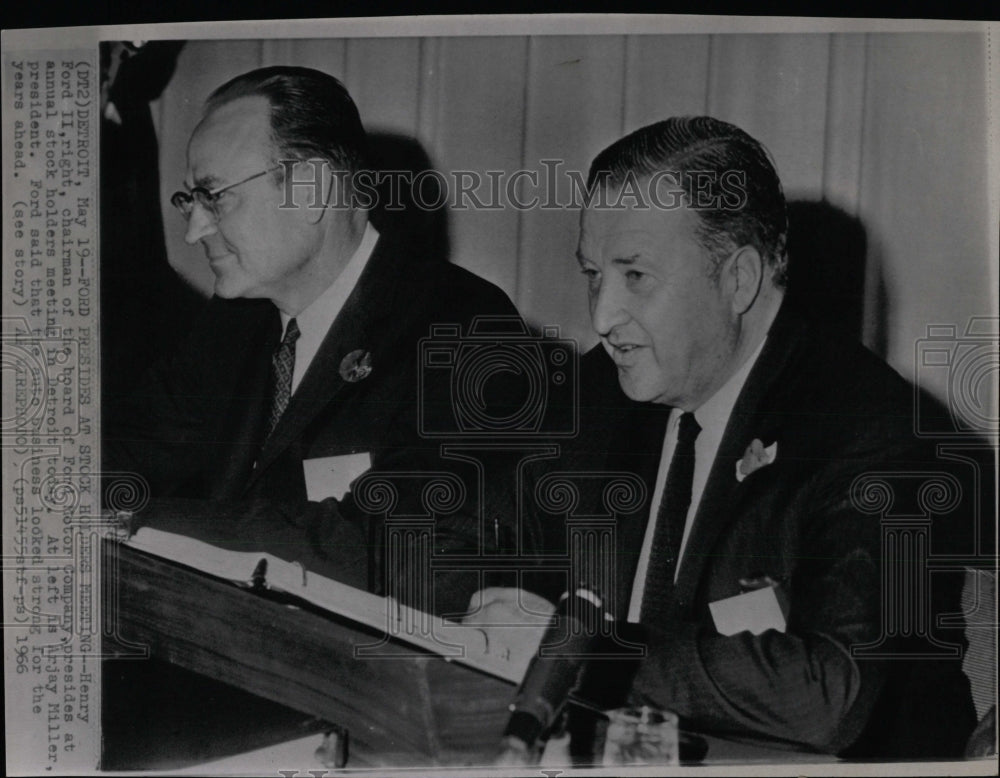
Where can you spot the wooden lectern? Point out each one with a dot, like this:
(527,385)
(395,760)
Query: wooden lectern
(405,705)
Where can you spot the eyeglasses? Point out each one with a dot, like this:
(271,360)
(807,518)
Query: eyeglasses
(206,198)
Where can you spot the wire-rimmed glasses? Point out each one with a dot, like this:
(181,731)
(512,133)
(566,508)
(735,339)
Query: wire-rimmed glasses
(208,198)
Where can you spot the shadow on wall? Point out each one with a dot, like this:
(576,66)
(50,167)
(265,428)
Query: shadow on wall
(828,255)
(402,210)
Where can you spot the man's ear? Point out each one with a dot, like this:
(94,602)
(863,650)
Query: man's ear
(313,188)
(744,273)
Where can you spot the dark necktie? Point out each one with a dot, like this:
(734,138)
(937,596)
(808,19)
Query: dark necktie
(670,520)
(282,366)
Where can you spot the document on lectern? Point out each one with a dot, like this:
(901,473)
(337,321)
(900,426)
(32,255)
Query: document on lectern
(262,571)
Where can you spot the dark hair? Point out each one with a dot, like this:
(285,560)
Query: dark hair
(312,114)
(689,146)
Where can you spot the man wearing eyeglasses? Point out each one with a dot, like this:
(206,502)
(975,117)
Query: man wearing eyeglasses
(304,371)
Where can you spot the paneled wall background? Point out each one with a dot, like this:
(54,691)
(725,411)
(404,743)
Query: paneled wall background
(890,128)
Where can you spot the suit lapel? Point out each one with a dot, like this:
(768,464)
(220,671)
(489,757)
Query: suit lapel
(251,398)
(361,324)
(748,420)
(645,434)
(617,435)
(630,442)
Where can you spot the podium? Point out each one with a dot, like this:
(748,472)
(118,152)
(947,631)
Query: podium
(404,707)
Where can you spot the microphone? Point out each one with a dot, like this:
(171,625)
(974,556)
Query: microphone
(572,636)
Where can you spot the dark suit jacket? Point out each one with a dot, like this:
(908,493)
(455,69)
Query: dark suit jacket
(836,412)
(193,426)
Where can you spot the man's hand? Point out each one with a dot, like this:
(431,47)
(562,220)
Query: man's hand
(512,620)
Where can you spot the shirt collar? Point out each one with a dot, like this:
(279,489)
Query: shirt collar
(713,415)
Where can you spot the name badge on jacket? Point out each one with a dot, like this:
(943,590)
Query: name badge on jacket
(332,476)
(754,612)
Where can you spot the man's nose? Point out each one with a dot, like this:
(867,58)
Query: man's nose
(607,309)
(201,223)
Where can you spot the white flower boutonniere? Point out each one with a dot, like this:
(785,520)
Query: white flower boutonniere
(755,457)
(356,366)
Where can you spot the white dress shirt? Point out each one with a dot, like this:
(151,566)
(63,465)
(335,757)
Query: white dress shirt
(315,321)
(712,417)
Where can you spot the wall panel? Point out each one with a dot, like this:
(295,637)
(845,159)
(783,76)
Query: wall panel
(664,76)
(889,128)
(480,127)
(383,76)
(775,88)
(574,109)
(923,187)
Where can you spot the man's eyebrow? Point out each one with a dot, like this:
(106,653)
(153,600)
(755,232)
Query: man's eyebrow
(207,182)
(628,260)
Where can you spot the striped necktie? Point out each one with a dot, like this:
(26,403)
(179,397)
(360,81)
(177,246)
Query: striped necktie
(282,367)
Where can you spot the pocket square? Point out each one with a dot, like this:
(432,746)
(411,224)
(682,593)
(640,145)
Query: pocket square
(755,457)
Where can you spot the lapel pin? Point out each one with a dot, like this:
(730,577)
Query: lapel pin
(755,457)
(356,366)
